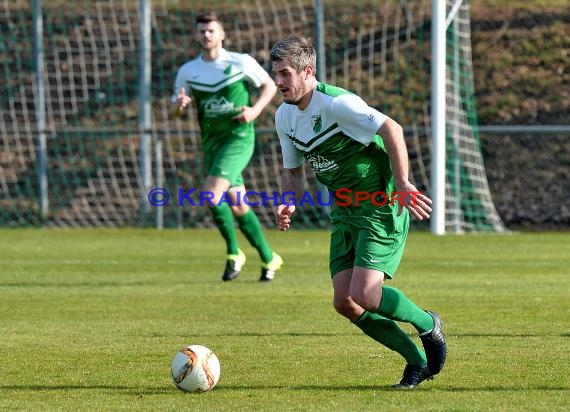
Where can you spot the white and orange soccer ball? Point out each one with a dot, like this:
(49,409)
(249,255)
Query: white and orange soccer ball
(195,368)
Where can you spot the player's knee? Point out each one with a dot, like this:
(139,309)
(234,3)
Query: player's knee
(240,210)
(364,300)
(345,307)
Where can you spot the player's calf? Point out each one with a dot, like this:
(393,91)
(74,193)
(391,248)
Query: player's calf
(434,345)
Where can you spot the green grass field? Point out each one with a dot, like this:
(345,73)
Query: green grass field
(90,320)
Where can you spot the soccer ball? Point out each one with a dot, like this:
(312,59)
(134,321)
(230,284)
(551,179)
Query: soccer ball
(195,368)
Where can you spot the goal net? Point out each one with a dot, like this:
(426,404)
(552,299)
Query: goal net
(377,49)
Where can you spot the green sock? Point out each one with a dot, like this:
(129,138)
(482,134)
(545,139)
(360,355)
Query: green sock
(224,219)
(251,228)
(389,334)
(396,306)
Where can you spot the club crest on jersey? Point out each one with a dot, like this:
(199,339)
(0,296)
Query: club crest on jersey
(228,69)
(317,123)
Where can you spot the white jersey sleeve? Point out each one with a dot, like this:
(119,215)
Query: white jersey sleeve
(183,73)
(292,157)
(356,119)
(253,71)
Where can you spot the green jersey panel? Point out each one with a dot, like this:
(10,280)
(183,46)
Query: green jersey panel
(219,89)
(216,109)
(336,136)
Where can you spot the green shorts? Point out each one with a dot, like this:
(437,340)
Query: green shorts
(228,157)
(375,241)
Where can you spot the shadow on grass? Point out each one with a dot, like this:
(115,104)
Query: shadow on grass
(89,284)
(388,388)
(96,284)
(126,389)
(509,335)
(261,334)
(137,391)
(302,334)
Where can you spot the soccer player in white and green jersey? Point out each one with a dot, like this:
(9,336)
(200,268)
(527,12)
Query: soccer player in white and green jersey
(354,148)
(218,83)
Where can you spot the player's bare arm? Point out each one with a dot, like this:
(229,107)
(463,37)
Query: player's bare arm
(292,180)
(249,114)
(182,103)
(418,204)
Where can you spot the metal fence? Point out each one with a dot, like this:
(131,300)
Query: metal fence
(521,75)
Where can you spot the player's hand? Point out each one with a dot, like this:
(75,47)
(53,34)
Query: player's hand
(418,204)
(182,100)
(246,114)
(283,216)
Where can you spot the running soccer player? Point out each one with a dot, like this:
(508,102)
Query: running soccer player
(353,147)
(218,83)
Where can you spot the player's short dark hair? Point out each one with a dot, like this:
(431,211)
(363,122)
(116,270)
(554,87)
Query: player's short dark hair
(299,50)
(208,17)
